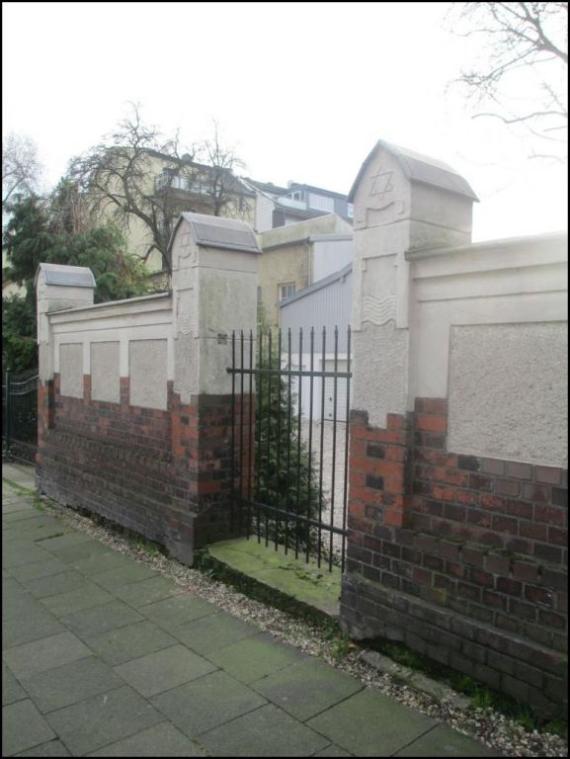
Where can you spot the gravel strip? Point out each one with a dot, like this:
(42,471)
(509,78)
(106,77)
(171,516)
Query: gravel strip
(486,725)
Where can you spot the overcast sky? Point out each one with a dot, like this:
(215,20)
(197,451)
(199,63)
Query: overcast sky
(301,90)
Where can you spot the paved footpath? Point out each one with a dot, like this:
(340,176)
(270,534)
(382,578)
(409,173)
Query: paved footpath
(104,657)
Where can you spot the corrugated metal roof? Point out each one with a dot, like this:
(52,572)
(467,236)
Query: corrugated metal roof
(267,186)
(65,276)
(324,282)
(419,168)
(219,232)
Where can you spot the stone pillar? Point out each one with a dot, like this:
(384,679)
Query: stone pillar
(57,287)
(402,201)
(214,283)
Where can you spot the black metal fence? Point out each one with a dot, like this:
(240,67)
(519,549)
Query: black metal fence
(290,440)
(20,416)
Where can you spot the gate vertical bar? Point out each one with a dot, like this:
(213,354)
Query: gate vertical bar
(241,423)
(269,388)
(251,441)
(299,435)
(346,448)
(335,381)
(233,443)
(8,411)
(310,463)
(258,430)
(278,457)
(288,430)
(323,390)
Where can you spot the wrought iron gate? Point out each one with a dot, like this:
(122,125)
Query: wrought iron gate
(290,440)
(19,415)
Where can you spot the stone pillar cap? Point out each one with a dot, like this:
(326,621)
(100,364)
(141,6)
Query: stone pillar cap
(219,232)
(419,168)
(65,276)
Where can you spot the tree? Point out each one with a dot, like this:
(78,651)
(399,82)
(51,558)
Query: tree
(282,473)
(31,237)
(118,176)
(21,168)
(519,38)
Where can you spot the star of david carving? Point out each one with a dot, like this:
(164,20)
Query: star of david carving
(382,184)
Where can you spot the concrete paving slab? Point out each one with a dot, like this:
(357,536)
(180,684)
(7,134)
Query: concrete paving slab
(160,740)
(199,706)
(101,619)
(131,642)
(29,528)
(163,670)
(306,689)
(174,612)
(268,731)
(213,632)
(11,589)
(23,727)
(78,550)
(116,578)
(371,724)
(332,750)
(102,720)
(17,515)
(22,474)
(101,561)
(20,552)
(67,540)
(443,741)
(11,689)
(253,658)
(65,685)
(148,591)
(86,596)
(56,584)
(36,569)
(26,623)
(46,653)
(53,748)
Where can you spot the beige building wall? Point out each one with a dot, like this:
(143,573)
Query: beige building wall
(276,267)
(287,257)
(137,233)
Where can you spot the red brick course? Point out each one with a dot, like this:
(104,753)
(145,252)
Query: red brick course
(162,473)
(483,540)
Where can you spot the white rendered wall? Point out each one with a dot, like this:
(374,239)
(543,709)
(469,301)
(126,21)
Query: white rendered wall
(105,335)
(489,332)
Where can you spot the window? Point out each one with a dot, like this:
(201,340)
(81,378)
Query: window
(321,202)
(350,210)
(286,289)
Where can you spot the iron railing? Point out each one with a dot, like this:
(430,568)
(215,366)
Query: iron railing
(290,440)
(19,415)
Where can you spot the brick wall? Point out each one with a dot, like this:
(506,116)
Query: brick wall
(462,558)
(162,473)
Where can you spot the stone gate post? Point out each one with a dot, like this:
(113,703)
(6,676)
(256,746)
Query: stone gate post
(214,284)
(58,287)
(401,201)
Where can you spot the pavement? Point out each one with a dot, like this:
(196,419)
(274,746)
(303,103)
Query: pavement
(102,656)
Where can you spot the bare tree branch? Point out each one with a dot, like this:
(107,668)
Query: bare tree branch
(119,175)
(21,167)
(519,35)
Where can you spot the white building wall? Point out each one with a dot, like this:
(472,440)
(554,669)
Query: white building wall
(331,253)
